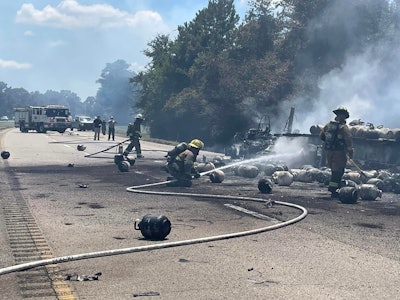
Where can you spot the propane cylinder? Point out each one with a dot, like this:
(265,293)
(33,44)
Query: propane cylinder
(217,176)
(348,195)
(178,149)
(130,160)
(5,154)
(265,185)
(118,158)
(124,166)
(153,227)
(369,192)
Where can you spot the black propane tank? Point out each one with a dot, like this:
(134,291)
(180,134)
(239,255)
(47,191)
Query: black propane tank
(118,158)
(5,154)
(154,227)
(265,185)
(348,195)
(124,166)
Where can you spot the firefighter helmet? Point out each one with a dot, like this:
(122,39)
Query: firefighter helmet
(139,116)
(341,110)
(196,144)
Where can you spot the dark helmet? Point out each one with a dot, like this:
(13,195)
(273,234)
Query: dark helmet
(341,110)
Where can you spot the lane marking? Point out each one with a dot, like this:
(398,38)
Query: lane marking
(252,213)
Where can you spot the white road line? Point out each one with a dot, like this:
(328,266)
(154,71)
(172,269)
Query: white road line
(253,213)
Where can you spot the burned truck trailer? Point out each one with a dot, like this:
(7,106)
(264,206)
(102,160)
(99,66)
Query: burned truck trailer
(371,151)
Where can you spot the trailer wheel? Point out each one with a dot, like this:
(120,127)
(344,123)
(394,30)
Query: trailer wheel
(61,131)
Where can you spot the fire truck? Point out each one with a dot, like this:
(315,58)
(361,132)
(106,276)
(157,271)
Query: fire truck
(42,118)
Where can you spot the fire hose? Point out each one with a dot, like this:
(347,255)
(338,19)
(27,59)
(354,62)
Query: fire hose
(138,189)
(104,150)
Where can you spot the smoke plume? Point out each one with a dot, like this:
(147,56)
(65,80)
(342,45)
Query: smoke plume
(367,84)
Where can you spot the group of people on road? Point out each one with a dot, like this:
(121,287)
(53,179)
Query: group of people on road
(101,125)
(336,136)
(180,165)
(133,132)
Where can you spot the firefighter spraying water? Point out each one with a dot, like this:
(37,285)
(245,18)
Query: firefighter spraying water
(180,163)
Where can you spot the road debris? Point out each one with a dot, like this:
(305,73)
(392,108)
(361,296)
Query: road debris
(76,277)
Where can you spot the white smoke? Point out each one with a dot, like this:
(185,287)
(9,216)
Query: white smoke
(368,85)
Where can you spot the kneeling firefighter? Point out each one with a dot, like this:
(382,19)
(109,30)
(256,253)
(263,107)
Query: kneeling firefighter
(180,163)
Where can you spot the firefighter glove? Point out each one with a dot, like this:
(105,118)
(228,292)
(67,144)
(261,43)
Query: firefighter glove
(197,175)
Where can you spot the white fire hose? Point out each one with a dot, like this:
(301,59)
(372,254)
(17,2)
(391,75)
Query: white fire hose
(137,189)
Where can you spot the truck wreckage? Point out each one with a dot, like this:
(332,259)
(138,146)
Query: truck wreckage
(375,147)
(256,141)
(294,157)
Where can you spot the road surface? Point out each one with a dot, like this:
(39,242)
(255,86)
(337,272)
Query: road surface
(64,204)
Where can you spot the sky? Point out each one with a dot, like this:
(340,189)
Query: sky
(65,44)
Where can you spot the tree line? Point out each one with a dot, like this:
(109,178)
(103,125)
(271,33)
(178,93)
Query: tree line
(218,76)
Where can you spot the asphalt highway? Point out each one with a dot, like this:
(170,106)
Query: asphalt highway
(74,203)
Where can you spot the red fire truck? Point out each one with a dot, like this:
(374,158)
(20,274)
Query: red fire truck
(42,118)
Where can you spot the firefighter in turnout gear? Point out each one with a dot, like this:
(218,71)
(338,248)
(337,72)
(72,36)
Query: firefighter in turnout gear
(338,146)
(180,163)
(135,135)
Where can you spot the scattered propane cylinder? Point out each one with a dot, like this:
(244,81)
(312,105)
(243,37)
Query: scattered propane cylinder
(353,176)
(204,167)
(124,163)
(376,181)
(302,175)
(124,166)
(217,176)
(369,192)
(348,195)
(5,154)
(265,185)
(118,158)
(218,161)
(131,160)
(248,171)
(269,169)
(283,178)
(153,227)
(347,182)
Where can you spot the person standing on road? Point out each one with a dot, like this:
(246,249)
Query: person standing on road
(338,146)
(134,133)
(111,128)
(97,123)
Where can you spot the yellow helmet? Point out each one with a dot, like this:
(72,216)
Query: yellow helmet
(342,110)
(196,144)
